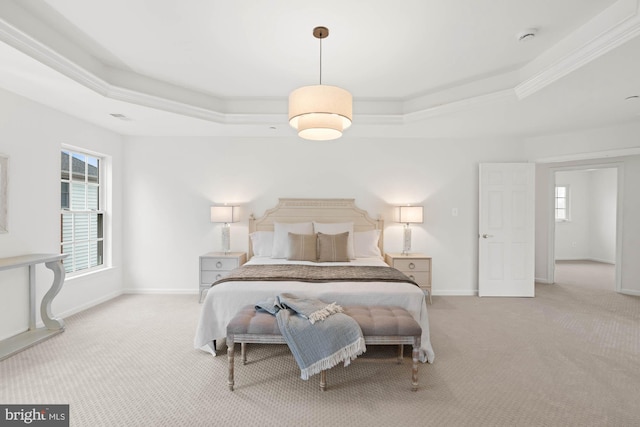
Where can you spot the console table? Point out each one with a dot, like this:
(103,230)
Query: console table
(52,325)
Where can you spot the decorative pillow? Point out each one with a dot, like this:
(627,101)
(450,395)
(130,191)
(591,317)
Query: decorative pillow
(281,232)
(335,228)
(333,247)
(262,243)
(366,244)
(302,247)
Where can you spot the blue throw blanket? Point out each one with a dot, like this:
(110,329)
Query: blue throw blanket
(318,334)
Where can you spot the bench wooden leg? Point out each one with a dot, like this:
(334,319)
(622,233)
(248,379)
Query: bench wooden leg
(414,369)
(230,354)
(243,352)
(405,336)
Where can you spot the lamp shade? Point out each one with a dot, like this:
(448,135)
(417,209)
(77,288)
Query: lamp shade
(224,214)
(320,112)
(410,214)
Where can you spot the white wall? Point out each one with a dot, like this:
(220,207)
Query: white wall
(161,216)
(579,145)
(572,237)
(31,135)
(591,232)
(603,209)
(597,143)
(171,182)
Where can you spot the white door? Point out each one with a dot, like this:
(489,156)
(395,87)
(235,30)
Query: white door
(506,230)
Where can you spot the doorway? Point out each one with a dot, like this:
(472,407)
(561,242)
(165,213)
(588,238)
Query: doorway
(586,227)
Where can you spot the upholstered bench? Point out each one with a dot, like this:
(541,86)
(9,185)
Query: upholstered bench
(380,325)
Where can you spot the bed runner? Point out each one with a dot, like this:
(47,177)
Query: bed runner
(312,273)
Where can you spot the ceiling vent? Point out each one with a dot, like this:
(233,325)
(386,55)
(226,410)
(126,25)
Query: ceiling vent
(120,116)
(526,35)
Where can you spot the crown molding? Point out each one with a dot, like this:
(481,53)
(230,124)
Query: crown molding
(52,59)
(374,116)
(177,107)
(456,106)
(621,23)
(612,28)
(608,154)
(379,119)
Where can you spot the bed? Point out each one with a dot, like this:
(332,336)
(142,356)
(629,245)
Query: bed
(270,237)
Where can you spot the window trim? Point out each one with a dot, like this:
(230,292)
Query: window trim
(567,198)
(103,175)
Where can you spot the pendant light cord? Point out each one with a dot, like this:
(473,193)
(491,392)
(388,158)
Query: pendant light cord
(321,61)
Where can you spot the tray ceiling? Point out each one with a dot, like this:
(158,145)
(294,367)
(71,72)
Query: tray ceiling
(415,68)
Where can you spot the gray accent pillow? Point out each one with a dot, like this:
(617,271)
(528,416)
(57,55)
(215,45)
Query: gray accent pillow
(333,247)
(302,247)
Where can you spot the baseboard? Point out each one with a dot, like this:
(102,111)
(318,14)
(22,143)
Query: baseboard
(453,293)
(631,292)
(603,261)
(544,281)
(587,259)
(90,304)
(70,312)
(162,291)
(17,332)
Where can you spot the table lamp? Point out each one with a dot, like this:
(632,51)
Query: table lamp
(226,215)
(409,215)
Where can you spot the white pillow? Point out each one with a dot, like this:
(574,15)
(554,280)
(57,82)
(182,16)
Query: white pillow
(337,228)
(281,232)
(366,244)
(262,243)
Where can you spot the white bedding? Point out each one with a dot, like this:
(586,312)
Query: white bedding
(223,301)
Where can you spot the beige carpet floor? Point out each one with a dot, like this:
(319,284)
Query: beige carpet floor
(587,274)
(569,357)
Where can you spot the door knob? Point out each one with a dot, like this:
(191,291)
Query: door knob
(486,236)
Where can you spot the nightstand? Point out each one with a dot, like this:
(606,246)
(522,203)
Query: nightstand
(416,266)
(216,265)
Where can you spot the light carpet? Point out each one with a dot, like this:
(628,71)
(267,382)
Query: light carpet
(569,357)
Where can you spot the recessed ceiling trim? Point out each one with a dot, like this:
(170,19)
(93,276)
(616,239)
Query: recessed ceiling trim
(152,101)
(612,28)
(38,51)
(456,106)
(588,156)
(54,60)
(177,107)
(381,119)
(184,102)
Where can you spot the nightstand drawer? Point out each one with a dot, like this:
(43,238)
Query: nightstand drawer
(216,264)
(408,265)
(208,277)
(416,266)
(422,278)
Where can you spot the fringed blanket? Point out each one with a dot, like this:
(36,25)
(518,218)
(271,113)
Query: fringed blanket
(315,273)
(318,334)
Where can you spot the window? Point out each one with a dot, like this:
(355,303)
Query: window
(562,203)
(82,217)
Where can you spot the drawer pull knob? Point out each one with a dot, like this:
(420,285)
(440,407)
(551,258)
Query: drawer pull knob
(412,278)
(412,265)
(218,264)
(219,276)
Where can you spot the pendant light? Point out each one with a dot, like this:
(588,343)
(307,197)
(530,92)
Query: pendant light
(320,112)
